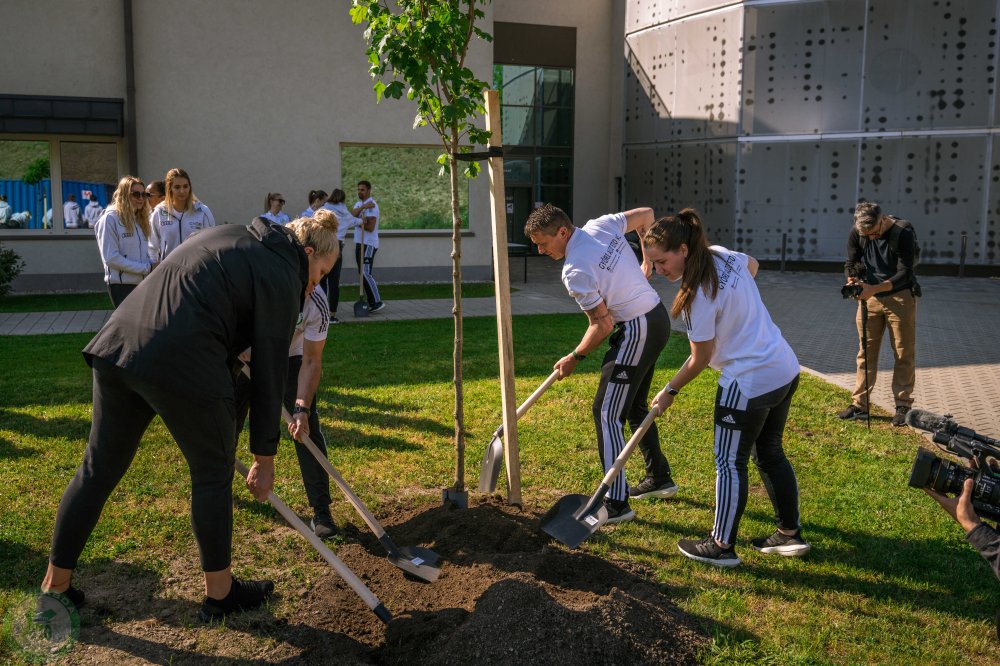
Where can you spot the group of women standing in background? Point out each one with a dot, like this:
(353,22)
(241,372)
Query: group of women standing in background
(335,203)
(143,225)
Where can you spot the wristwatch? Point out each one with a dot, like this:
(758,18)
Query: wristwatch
(300,409)
(671,390)
(578,357)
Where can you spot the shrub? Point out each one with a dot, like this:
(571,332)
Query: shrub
(11,266)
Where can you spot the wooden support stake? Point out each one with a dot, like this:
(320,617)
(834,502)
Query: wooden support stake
(501,281)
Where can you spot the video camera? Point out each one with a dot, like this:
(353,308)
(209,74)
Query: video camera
(945,476)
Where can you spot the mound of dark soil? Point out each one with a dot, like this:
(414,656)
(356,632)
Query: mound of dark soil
(506,594)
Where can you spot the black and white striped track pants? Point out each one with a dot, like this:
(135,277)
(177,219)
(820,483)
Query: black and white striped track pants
(752,427)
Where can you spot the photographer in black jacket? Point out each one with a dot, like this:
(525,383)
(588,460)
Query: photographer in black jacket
(983,538)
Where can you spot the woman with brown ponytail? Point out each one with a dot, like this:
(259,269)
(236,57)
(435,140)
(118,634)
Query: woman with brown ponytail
(730,330)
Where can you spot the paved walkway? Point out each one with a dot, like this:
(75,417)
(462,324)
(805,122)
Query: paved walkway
(958,360)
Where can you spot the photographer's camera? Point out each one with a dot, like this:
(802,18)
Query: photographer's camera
(851,290)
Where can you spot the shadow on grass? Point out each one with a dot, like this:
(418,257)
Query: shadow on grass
(10,450)
(933,574)
(33,425)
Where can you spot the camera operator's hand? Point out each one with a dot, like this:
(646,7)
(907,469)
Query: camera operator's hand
(960,508)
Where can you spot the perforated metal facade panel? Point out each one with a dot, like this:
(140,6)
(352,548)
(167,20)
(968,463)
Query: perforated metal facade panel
(814,105)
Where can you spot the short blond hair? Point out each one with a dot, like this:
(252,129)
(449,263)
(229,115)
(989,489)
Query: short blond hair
(318,232)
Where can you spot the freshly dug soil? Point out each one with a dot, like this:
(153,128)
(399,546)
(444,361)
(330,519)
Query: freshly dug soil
(507,594)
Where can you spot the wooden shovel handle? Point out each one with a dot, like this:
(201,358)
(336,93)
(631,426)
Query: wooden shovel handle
(342,569)
(623,457)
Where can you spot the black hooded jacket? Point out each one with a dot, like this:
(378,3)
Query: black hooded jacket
(223,290)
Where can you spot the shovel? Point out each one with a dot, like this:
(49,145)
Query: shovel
(490,470)
(576,517)
(420,562)
(342,569)
(361,307)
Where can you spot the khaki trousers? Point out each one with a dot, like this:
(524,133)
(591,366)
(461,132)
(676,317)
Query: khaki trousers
(898,313)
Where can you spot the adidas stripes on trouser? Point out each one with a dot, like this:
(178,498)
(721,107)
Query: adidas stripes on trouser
(623,393)
(745,427)
(371,287)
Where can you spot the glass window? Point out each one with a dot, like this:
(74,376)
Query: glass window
(555,86)
(516,171)
(518,125)
(555,170)
(405,184)
(89,176)
(556,127)
(25,187)
(517,85)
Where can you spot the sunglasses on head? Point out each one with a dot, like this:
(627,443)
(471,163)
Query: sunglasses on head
(281,201)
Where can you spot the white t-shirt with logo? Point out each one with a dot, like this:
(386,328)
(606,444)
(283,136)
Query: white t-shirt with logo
(313,322)
(600,265)
(371,237)
(749,347)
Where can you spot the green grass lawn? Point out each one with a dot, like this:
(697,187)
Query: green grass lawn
(101,300)
(890,578)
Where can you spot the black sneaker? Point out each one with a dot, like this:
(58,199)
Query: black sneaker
(651,488)
(853,412)
(618,511)
(900,418)
(78,598)
(243,595)
(378,307)
(334,320)
(709,552)
(322,524)
(782,544)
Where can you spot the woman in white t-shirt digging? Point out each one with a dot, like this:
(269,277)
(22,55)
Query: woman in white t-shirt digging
(730,330)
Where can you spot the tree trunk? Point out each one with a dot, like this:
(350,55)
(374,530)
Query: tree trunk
(456,285)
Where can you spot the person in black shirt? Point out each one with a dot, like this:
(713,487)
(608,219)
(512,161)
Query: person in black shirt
(983,538)
(880,260)
(170,350)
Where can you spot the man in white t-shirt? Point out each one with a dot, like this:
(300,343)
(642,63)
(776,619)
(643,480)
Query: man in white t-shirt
(604,277)
(364,251)
(305,366)
(71,213)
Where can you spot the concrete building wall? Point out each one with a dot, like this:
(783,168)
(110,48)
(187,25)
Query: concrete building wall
(248,97)
(773,119)
(598,112)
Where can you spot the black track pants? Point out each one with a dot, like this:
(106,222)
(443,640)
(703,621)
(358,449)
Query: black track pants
(623,393)
(752,427)
(331,285)
(123,408)
(314,477)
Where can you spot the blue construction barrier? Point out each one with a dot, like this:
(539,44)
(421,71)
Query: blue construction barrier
(35,198)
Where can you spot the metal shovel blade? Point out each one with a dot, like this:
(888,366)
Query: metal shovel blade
(489,473)
(417,561)
(567,523)
(360,309)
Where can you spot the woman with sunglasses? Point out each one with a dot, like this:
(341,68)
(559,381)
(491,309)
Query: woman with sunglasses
(122,231)
(177,217)
(273,205)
